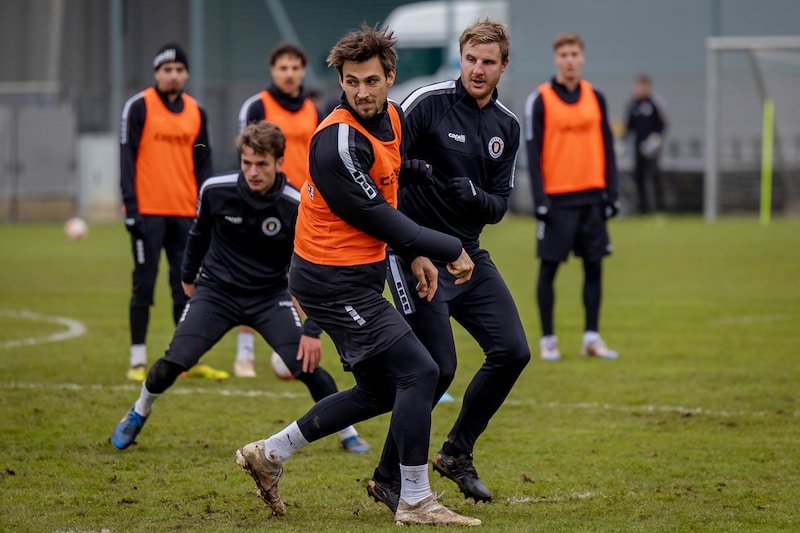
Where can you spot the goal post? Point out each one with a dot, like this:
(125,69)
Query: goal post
(752,130)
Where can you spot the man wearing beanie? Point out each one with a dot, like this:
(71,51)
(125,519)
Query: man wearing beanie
(164,158)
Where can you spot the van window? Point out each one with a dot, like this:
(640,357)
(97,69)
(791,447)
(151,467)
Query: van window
(414,62)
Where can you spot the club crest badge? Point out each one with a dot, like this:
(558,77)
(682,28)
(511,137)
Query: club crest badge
(496,146)
(271,226)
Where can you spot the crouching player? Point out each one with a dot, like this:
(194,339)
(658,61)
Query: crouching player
(242,237)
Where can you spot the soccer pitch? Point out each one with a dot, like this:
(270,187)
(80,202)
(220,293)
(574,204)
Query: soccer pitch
(695,427)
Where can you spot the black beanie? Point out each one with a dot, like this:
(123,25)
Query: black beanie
(168,53)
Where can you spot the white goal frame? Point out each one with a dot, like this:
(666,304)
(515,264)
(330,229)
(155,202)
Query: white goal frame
(714,45)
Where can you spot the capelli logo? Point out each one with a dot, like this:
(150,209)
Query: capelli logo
(458,137)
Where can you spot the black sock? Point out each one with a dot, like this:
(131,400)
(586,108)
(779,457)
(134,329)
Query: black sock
(451,449)
(592,293)
(545,295)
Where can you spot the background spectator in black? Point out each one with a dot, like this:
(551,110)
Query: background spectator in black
(646,122)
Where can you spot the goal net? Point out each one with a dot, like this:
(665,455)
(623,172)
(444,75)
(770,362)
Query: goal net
(752,157)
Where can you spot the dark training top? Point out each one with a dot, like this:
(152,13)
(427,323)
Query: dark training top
(242,240)
(645,116)
(534,136)
(446,128)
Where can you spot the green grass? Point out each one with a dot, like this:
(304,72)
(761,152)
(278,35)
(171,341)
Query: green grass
(694,428)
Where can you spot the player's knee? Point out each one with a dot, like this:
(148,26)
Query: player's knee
(513,353)
(162,375)
(378,402)
(427,375)
(141,299)
(423,377)
(447,372)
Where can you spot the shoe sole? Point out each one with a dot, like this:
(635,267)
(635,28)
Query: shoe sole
(278,507)
(375,495)
(465,491)
(428,522)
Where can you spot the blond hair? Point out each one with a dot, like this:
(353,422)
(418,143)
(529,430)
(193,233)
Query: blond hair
(486,31)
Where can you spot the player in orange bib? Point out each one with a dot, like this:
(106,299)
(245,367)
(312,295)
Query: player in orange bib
(347,215)
(284,103)
(164,158)
(574,181)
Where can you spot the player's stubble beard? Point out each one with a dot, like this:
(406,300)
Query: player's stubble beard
(372,112)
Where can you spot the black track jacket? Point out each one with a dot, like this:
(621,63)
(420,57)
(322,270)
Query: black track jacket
(242,240)
(446,128)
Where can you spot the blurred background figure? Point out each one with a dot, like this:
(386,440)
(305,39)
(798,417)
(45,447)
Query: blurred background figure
(286,103)
(165,156)
(646,123)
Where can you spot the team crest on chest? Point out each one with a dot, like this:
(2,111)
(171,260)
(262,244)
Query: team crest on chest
(496,146)
(271,226)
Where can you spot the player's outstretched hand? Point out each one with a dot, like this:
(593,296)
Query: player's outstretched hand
(427,277)
(461,268)
(309,350)
(415,172)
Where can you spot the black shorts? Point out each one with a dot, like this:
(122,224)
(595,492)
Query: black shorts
(363,325)
(210,313)
(580,229)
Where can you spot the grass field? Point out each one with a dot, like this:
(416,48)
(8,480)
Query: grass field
(695,428)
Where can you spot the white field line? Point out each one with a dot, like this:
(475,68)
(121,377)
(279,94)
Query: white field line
(646,408)
(222,391)
(558,498)
(749,319)
(75,328)
(130,387)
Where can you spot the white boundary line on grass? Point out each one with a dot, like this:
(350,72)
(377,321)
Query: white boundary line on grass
(208,391)
(648,408)
(75,328)
(572,496)
(130,387)
(749,319)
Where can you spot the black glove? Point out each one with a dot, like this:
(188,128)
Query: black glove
(612,209)
(135,225)
(464,191)
(415,172)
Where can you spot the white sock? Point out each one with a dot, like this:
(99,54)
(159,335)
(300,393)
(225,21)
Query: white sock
(414,484)
(245,346)
(144,405)
(138,355)
(349,431)
(285,442)
(590,337)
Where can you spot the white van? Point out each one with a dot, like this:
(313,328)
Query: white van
(427,39)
